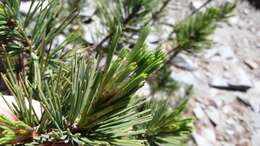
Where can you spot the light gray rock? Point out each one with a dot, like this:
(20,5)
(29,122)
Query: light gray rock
(184,77)
(210,53)
(246,11)
(93,31)
(220,53)
(250,101)
(251,64)
(166,29)
(234,20)
(153,38)
(231,1)
(258,45)
(59,39)
(201,141)
(255,104)
(144,91)
(230,121)
(184,62)
(256,127)
(196,4)
(226,52)
(213,115)
(256,121)
(230,132)
(236,80)
(25,6)
(258,34)
(168,20)
(226,144)
(256,139)
(209,134)
(199,113)
(245,100)
(88,9)
(242,81)
(218,82)
(227,109)
(218,102)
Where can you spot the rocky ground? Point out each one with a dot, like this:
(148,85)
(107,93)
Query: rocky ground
(226,79)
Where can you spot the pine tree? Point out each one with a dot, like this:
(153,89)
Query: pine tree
(61,96)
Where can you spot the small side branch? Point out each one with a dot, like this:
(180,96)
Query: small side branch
(201,7)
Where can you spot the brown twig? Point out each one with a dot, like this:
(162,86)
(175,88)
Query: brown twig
(20,73)
(172,56)
(192,13)
(129,18)
(164,5)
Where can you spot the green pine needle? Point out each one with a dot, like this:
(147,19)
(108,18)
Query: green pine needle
(13,131)
(193,33)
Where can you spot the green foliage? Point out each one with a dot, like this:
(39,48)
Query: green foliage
(85,103)
(93,99)
(13,131)
(162,81)
(9,33)
(132,15)
(24,37)
(129,13)
(193,33)
(168,126)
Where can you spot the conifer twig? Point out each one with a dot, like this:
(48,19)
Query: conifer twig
(129,18)
(192,13)
(20,73)
(201,7)
(164,5)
